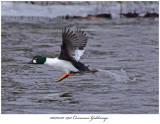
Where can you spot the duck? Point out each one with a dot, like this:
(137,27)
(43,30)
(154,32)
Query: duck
(72,48)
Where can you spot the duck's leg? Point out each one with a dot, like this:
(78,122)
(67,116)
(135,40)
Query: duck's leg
(94,71)
(64,76)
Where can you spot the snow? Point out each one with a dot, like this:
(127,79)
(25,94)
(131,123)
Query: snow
(55,10)
(23,9)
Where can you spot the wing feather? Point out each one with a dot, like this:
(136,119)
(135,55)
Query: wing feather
(73,44)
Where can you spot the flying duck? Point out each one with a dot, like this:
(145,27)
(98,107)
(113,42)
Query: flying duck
(72,48)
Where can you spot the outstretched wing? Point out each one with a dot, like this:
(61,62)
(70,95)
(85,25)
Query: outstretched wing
(72,44)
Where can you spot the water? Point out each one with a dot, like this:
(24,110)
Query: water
(124,50)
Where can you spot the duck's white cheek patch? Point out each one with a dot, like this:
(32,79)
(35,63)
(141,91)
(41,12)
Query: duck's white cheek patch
(34,61)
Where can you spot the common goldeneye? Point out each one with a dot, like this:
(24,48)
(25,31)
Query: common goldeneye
(72,49)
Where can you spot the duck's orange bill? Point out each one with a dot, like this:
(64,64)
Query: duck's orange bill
(64,76)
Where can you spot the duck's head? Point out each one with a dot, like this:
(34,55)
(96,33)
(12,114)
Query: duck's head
(38,60)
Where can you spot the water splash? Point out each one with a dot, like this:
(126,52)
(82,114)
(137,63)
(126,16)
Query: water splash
(119,76)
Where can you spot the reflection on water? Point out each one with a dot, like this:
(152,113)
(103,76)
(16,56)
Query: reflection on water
(128,44)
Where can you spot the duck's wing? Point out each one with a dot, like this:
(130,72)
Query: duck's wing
(73,44)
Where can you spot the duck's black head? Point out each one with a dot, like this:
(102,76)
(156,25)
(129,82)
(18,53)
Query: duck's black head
(38,60)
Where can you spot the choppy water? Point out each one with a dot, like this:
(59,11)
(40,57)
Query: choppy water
(124,50)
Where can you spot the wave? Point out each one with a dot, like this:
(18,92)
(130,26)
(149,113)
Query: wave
(119,75)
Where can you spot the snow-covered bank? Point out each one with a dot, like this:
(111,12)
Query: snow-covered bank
(23,9)
(93,7)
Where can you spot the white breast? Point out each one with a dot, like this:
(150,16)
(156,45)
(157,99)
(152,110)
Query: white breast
(61,65)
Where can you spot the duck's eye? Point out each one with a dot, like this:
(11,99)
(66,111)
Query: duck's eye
(35,58)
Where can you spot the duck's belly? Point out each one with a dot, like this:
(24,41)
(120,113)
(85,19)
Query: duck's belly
(64,66)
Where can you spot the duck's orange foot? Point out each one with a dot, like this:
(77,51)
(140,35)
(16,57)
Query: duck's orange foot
(94,71)
(64,76)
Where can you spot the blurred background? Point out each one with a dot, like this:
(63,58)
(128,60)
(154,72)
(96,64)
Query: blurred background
(80,9)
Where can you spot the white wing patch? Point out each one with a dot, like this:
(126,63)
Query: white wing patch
(78,53)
